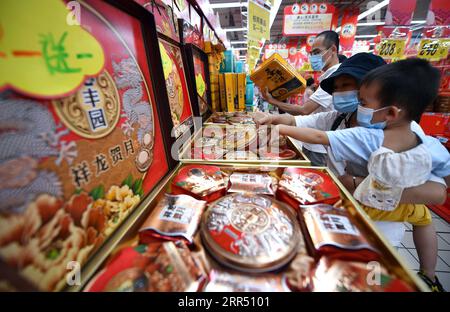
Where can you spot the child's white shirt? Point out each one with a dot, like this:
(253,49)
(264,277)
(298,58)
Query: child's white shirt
(390,173)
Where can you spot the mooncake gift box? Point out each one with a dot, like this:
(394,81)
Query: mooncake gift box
(350,276)
(250,233)
(304,186)
(333,233)
(155,267)
(281,79)
(174,217)
(225,281)
(200,181)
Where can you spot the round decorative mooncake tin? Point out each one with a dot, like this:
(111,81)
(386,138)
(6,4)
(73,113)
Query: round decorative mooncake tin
(249,232)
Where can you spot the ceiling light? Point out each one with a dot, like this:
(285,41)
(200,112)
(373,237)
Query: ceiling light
(235,29)
(228,5)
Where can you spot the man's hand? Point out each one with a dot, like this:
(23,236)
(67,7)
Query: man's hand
(261,118)
(268,97)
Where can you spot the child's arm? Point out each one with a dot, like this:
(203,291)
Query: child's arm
(429,193)
(306,135)
(271,119)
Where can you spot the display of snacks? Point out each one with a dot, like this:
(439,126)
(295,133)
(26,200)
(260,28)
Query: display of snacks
(222,281)
(250,233)
(258,183)
(175,217)
(300,186)
(256,234)
(279,77)
(167,266)
(333,233)
(348,276)
(220,143)
(199,181)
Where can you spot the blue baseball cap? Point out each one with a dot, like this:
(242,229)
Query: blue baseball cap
(356,66)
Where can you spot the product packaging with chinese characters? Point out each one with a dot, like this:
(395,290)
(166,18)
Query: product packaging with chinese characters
(279,77)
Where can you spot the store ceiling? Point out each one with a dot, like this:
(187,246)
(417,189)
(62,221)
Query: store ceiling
(236,17)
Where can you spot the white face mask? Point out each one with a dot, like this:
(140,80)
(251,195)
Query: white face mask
(317,62)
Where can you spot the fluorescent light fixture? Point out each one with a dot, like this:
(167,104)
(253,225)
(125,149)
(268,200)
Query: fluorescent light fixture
(365,36)
(382,23)
(228,5)
(373,9)
(370,24)
(239,42)
(274,12)
(234,29)
(370,11)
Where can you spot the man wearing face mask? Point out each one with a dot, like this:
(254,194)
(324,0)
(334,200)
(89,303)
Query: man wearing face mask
(342,88)
(323,57)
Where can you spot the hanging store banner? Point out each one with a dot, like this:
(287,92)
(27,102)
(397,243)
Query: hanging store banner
(438,13)
(258,22)
(307,19)
(348,29)
(400,12)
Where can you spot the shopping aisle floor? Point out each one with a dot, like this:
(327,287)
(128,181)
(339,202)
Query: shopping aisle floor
(408,252)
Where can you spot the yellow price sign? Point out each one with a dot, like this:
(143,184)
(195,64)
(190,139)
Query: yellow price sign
(392,48)
(433,49)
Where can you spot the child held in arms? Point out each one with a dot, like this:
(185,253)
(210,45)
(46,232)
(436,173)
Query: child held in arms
(391,97)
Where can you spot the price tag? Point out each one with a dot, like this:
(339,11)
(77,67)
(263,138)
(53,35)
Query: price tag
(392,48)
(430,49)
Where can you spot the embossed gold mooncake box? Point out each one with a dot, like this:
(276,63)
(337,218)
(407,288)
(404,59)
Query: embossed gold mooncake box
(279,77)
(250,233)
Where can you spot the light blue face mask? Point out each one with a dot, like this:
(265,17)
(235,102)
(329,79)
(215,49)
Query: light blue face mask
(365,116)
(346,101)
(316,61)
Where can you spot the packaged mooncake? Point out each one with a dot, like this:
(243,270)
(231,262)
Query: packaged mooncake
(258,183)
(223,281)
(174,217)
(167,266)
(199,181)
(250,233)
(333,233)
(349,276)
(302,186)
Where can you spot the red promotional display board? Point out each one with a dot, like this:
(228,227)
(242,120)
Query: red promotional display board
(348,29)
(74,167)
(307,18)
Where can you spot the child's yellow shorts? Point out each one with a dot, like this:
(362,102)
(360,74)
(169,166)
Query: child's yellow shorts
(415,214)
